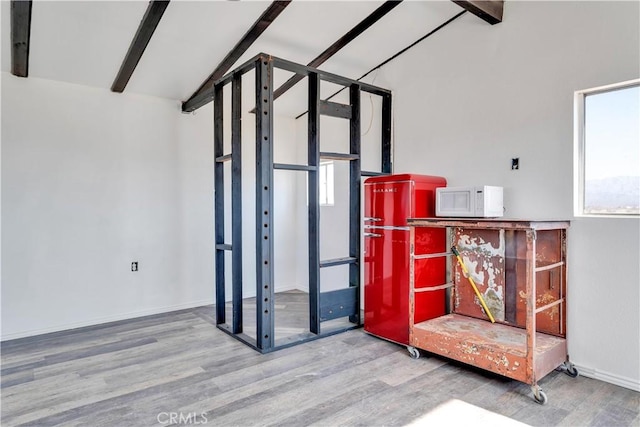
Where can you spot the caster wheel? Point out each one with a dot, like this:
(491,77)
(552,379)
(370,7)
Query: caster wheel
(540,397)
(571,371)
(413,352)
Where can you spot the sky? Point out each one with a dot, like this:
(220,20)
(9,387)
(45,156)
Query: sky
(612,133)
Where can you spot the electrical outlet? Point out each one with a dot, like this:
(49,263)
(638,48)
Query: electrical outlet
(515,163)
(134,266)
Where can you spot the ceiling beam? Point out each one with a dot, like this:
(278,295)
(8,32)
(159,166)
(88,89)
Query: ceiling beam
(147,27)
(489,10)
(204,94)
(394,56)
(385,8)
(20,37)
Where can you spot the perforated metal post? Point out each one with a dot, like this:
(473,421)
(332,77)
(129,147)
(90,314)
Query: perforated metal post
(264,204)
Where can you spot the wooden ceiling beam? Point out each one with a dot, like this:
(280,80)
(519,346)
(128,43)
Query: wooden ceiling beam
(374,17)
(204,94)
(147,27)
(20,37)
(488,10)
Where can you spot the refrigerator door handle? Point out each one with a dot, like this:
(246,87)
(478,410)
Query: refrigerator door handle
(386,227)
(367,218)
(372,235)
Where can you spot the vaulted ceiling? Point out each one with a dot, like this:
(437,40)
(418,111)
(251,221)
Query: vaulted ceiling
(173,49)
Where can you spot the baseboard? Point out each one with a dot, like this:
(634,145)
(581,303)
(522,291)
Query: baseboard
(107,319)
(609,378)
(287,288)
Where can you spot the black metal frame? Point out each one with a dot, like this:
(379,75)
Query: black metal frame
(323,306)
(20,37)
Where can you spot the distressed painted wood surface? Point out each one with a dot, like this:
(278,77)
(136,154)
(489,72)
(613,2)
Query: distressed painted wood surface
(483,252)
(550,284)
(496,261)
(498,348)
(131,372)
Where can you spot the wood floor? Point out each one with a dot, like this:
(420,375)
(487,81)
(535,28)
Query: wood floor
(178,368)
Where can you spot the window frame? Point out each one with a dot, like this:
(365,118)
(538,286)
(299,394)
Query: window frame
(579,148)
(326,165)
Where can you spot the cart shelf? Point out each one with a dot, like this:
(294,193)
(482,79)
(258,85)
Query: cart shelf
(498,348)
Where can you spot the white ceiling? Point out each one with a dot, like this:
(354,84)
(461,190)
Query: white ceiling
(84,42)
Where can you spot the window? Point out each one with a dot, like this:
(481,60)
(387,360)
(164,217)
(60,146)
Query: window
(325,178)
(608,150)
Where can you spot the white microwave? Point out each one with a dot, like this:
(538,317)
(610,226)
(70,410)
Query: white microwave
(481,202)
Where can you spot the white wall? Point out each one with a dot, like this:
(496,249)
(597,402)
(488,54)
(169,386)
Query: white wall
(604,305)
(91,181)
(286,199)
(473,96)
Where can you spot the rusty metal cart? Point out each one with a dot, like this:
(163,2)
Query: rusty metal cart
(520,270)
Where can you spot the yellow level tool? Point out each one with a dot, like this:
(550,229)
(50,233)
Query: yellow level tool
(468,276)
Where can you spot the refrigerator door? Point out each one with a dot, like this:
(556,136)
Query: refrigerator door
(386,292)
(388,203)
(390,200)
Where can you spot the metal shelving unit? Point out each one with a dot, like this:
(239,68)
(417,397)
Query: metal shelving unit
(323,306)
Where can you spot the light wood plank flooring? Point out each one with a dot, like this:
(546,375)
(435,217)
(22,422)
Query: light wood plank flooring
(178,368)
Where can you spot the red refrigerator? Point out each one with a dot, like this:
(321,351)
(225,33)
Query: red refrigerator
(389,201)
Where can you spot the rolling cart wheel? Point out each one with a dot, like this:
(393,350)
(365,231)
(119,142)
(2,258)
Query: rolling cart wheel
(539,396)
(571,370)
(413,352)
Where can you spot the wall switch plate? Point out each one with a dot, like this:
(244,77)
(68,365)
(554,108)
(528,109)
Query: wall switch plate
(134,266)
(515,163)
